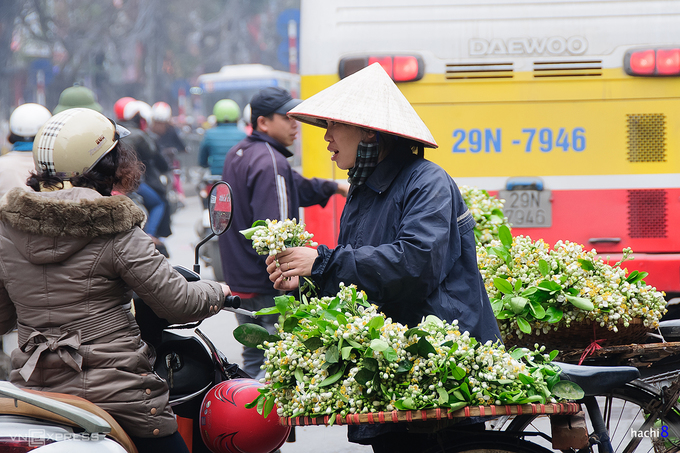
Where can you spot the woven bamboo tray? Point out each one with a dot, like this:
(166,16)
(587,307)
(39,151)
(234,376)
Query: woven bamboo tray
(581,335)
(434,414)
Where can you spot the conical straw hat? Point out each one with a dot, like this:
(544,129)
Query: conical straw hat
(368,98)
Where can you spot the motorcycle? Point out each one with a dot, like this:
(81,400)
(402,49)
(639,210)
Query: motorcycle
(196,373)
(210,253)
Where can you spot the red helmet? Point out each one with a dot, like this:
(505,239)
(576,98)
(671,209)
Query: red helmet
(228,427)
(119,107)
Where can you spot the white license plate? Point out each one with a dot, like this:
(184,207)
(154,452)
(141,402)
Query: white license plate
(527,208)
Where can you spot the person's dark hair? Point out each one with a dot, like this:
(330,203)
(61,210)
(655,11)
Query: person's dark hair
(395,143)
(119,169)
(254,124)
(13,138)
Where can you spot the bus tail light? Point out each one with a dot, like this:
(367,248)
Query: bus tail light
(668,61)
(652,62)
(402,68)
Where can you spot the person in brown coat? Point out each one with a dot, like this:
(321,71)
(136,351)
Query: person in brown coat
(70,255)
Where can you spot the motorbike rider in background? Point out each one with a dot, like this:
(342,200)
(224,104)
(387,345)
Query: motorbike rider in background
(220,139)
(135,117)
(168,142)
(77,96)
(70,255)
(16,165)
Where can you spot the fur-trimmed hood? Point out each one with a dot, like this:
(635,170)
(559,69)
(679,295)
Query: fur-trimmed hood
(50,226)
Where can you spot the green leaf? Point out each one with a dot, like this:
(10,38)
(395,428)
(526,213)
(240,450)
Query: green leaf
(290,323)
(517,304)
(586,265)
(415,331)
(332,354)
(354,343)
(518,353)
(497,305)
(458,373)
(267,311)
(376,322)
(505,236)
(443,396)
(299,375)
(529,291)
(346,352)
(364,375)
(313,343)
(568,390)
(248,233)
(282,303)
(505,314)
(554,353)
(518,285)
(425,348)
(456,406)
(258,223)
(390,355)
(523,325)
(544,267)
(251,335)
(503,285)
(254,402)
(549,285)
(332,379)
(379,345)
(580,302)
(268,406)
(404,366)
(370,364)
(537,309)
(554,315)
(525,379)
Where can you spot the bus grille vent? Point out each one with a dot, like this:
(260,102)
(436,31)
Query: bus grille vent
(479,71)
(647,213)
(647,137)
(591,68)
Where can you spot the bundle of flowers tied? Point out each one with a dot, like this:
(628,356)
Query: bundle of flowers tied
(339,355)
(537,291)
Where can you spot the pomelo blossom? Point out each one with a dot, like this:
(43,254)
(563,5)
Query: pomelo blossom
(339,355)
(271,237)
(487,212)
(562,279)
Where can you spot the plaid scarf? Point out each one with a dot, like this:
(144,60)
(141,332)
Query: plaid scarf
(366,161)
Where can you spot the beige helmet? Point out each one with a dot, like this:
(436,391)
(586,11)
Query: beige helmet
(368,98)
(73,141)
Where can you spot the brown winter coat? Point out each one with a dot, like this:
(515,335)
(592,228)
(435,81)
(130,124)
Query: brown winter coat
(69,260)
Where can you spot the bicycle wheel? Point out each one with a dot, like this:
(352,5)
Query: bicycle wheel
(486,442)
(624,411)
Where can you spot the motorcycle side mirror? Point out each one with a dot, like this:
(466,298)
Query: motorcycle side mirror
(219,207)
(219,210)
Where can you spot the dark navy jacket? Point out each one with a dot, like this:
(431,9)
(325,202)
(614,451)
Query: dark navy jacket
(264,187)
(406,238)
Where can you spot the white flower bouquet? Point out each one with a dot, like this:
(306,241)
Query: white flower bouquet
(271,237)
(487,212)
(536,290)
(339,355)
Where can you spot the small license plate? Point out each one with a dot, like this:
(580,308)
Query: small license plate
(527,208)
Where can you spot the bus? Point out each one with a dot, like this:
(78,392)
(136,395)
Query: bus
(569,111)
(240,82)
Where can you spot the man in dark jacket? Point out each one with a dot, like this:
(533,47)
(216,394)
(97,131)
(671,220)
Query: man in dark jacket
(265,187)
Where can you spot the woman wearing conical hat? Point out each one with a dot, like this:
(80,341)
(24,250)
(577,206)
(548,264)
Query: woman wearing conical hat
(406,235)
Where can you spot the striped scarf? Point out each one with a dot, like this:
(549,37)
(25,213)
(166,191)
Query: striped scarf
(366,161)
